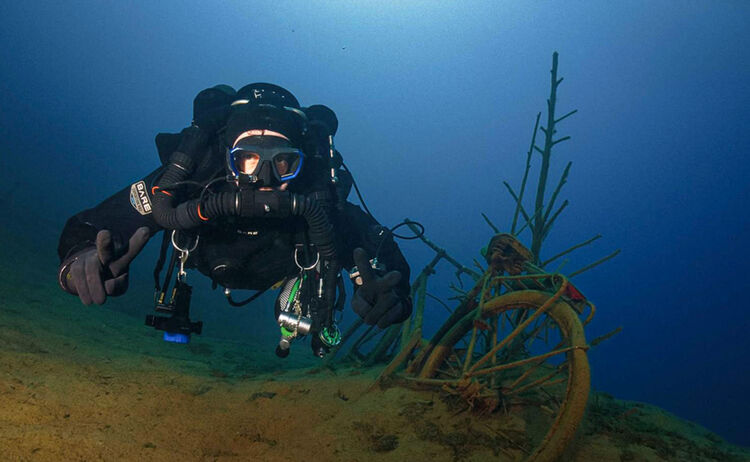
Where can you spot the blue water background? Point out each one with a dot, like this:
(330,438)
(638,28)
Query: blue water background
(436,102)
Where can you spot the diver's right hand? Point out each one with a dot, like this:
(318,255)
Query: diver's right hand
(193,143)
(98,271)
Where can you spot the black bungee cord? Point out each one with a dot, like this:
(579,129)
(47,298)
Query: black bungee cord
(385,231)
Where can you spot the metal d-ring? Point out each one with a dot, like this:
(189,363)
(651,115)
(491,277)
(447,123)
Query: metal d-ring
(296,261)
(177,247)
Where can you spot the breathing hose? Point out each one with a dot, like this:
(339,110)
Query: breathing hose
(246,203)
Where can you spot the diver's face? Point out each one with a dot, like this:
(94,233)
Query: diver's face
(247,163)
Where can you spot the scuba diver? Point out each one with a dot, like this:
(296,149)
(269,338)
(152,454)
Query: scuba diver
(253,195)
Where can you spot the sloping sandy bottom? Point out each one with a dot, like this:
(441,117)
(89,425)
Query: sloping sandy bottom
(61,400)
(88,383)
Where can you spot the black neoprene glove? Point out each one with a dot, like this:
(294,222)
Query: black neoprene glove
(211,108)
(376,301)
(193,144)
(96,272)
(213,119)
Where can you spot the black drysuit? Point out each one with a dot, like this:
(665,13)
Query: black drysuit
(234,252)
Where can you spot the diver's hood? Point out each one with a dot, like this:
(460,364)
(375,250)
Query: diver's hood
(289,121)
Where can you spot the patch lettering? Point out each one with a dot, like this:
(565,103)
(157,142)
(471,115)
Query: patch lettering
(139,198)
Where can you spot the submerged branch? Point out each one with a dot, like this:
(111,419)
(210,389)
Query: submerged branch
(560,266)
(564,138)
(492,225)
(443,254)
(565,252)
(548,225)
(518,201)
(460,291)
(440,301)
(566,116)
(596,263)
(560,184)
(528,222)
(604,337)
(525,174)
(537,227)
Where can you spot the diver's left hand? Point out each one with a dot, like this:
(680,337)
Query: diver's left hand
(376,301)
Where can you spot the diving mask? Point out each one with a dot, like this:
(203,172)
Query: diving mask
(266,159)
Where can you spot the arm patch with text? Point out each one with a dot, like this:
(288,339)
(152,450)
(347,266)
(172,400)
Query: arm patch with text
(139,198)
